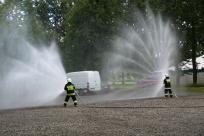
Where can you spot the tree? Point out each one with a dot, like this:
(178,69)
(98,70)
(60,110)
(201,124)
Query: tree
(191,18)
(51,12)
(89,26)
(20,15)
(186,17)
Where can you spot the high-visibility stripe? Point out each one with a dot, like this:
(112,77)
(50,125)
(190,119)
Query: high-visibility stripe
(65,102)
(75,101)
(167,88)
(168,80)
(70,87)
(71,94)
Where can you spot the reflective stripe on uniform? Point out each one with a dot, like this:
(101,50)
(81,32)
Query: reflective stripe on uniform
(167,88)
(75,101)
(70,87)
(70,94)
(168,80)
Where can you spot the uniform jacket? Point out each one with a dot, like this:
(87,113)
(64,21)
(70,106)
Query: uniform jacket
(69,87)
(167,82)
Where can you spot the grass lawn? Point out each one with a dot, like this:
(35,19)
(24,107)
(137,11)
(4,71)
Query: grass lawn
(189,88)
(119,85)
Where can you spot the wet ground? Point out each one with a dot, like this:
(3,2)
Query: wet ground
(130,117)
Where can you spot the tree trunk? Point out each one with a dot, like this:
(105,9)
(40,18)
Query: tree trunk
(178,74)
(123,77)
(194,48)
(113,77)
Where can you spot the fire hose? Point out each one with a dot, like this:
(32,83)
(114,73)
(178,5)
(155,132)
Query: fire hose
(174,93)
(93,106)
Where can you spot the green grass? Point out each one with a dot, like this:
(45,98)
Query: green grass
(119,85)
(189,88)
(198,85)
(195,88)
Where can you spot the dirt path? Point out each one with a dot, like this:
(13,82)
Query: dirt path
(153,116)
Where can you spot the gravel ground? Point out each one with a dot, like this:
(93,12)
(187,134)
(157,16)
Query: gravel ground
(153,116)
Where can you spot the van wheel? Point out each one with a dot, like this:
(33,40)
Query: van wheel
(81,92)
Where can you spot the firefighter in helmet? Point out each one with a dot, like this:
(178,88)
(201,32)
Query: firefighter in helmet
(69,87)
(167,86)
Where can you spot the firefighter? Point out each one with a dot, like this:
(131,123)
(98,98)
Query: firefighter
(69,87)
(167,86)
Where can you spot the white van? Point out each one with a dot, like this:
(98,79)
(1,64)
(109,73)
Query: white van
(86,81)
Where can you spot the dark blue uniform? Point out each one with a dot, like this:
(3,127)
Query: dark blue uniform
(69,87)
(167,87)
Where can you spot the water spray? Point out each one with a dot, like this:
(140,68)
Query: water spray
(30,76)
(148,47)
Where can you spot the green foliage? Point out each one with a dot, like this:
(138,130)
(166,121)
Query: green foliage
(186,18)
(51,12)
(20,16)
(84,29)
(89,26)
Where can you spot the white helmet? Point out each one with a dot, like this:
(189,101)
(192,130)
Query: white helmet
(69,80)
(166,75)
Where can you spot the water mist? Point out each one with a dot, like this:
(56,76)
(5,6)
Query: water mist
(30,76)
(149,45)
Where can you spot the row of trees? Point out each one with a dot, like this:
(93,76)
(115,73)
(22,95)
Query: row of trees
(83,29)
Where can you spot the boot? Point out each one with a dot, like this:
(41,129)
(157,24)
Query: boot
(75,104)
(65,104)
(165,96)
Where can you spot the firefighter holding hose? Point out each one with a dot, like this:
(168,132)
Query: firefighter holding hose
(69,87)
(167,86)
